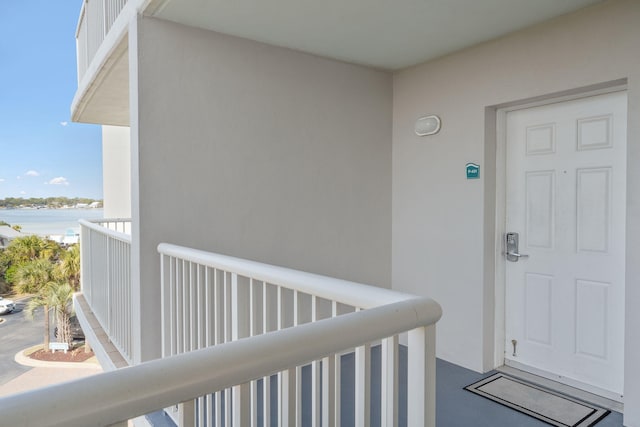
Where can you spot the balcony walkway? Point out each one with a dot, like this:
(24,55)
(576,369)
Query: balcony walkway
(457,407)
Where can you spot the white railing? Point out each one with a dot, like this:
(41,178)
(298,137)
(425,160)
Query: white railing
(113,397)
(121,225)
(105,256)
(95,21)
(211,300)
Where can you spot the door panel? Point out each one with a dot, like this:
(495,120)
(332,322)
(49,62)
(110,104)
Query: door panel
(566,189)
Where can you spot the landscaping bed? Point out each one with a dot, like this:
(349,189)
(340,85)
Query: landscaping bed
(75,355)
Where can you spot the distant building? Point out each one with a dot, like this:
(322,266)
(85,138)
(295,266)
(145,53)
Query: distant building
(7,234)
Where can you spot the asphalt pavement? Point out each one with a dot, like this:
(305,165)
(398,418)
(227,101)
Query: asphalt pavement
(17,332)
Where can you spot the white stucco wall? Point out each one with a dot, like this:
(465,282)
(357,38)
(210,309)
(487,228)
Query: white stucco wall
(116,171)
(258,152)
(442,222)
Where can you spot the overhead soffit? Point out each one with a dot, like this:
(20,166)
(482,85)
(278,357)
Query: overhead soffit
(381,33)
(106,101)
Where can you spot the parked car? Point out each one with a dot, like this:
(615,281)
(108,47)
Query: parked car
(76,330)
(6,306)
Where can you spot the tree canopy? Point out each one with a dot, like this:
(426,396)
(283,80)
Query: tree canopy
(33,265)
(15,202)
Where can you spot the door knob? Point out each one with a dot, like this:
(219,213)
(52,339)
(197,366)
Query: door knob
(517,255)
(512,242)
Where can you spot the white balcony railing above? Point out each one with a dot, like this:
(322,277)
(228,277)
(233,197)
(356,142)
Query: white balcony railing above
(213,300)
(105,258)
(95,21)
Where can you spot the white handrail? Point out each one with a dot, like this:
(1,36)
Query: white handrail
(344,291)
(116,396)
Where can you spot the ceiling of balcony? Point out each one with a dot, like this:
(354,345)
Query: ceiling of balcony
(387,34)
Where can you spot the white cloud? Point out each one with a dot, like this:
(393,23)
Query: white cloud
(32,173)
(1,179)
(23,192)
(64,123)
(60,180)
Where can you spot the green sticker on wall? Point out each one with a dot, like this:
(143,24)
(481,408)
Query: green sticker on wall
(473,171)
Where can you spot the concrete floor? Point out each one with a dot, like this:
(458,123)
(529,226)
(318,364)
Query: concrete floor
(455,406)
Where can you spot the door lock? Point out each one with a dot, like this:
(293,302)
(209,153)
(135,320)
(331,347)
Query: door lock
(511,243)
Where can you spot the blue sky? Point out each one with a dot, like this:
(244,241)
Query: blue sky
(41,152)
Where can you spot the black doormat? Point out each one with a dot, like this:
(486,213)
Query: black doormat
(548,406)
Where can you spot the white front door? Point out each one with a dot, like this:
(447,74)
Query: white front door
(565,195)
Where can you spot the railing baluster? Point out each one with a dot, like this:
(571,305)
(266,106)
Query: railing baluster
(253,330)
(282,408)
(218,332)
(209,336)
(179,306)
(421,383)
(173,297)
(110,288)
(166,308)
(193,307)
(227,337)
(389,382)
(240,287)
(328,391)
(200,281)
(331,384)
(363,385)
(316,378)
(266,381)
(297,378)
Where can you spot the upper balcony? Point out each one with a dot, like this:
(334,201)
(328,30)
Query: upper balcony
(102,60)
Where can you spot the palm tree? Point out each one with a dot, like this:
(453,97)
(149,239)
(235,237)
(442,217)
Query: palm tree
(38,267)
(31,276)
(37,302)
(30,248)
(56,296)
(34,277)
(24,249)
(60,297)
(69,266)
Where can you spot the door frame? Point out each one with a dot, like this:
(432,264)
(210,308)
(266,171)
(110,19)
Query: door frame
(500,111)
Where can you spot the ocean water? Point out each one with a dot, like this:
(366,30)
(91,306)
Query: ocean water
(47,222)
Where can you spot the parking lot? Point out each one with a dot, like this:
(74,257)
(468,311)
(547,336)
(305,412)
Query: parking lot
(17,332)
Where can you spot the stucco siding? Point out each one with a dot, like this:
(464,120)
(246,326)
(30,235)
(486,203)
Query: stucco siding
(263,153)
(116,171)
(442,222)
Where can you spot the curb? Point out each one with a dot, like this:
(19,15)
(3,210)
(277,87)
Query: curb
(24,360)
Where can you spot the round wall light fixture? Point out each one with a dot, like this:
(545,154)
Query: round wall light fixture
(427,125)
